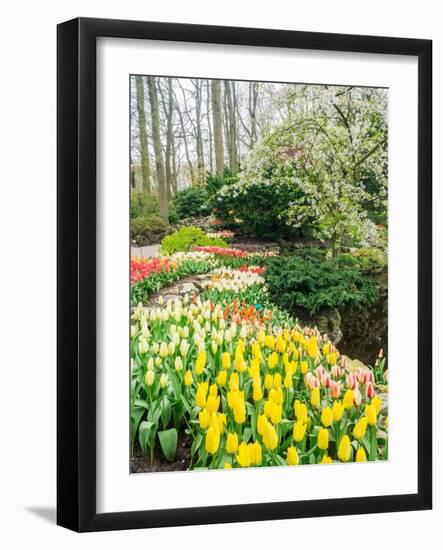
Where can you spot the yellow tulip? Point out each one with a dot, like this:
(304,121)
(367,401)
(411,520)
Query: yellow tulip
(164,349)
(315,397)
(201,362)
(212,403)
(344,449)
(288,381)
(304,367)
(255,453)
(332,358)
(254,368)
(323,439)
(212,441)
(164,380)
(188,378)
(299,430)
(234,382)
(293,458)
(221,422)
(227,466)
(200,395)
(270,437)
(272,360)
(311,347)
(268,408)
(261,424)
(301,411)
(256,351)
(348,399)
(221,378)
(239,411)
(261,338)
(326,417)
(232,443)
(371,414)
(360,428)
(276,414)
(269,341)
(280,344)
(226,360)
(244,457)
(269,381)
(277,380)
(257,394)
(361,455)
(149,377)
(326,459)
(239,362)
(204,419)
(377,402)
(337,410)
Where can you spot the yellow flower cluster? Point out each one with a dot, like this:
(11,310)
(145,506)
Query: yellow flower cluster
(252,393)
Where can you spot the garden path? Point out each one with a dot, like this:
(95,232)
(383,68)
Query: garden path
(149,251)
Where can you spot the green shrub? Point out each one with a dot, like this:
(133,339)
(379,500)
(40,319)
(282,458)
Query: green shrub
(147,226)
(259,207)
(311,281)
(186,238)
(190,203)
(214,182)
(144,204)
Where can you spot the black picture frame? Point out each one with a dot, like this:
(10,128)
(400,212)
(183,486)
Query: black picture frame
(76,273)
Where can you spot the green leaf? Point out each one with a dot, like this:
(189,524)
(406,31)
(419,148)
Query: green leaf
(136,416)
(196,444)
(141,403)
(144,434)
(168,442)
(166,411)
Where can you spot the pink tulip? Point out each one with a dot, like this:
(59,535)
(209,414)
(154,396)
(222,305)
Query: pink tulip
(361,375)
(369,390)
(369,376)
(335,389)
(325,380)
(336,371)
(351,381)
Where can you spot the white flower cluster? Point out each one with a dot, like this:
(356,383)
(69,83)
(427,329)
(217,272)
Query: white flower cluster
(224,279)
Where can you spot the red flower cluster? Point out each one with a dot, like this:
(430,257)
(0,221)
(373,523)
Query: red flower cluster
(252,269)
(219,251)
(144,267)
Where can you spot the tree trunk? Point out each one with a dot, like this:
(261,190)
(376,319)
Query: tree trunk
(169,138)
(217,126)
(144,152)
(253,98)
(198,129)
(208,110)
(232,130)
(159,163)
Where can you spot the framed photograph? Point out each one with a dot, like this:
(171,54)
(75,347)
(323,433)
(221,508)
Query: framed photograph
(244,274)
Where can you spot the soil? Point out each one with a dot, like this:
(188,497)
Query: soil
(255,245)
(142,464)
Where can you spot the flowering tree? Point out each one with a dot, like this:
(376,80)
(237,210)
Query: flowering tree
(330,155)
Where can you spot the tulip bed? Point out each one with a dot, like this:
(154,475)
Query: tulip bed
(245,382)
